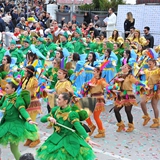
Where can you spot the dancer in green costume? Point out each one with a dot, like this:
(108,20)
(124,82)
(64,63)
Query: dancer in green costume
(2,51)
(65,44)
(78,43)
(15,52)
(50,46)
(65,144)
(119,53)
(16,124)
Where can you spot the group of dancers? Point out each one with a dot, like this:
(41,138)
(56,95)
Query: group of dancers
(76,67)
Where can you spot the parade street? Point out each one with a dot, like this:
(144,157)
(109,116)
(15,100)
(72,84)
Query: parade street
(141,144)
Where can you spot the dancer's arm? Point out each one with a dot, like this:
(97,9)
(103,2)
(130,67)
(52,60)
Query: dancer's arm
(46,118)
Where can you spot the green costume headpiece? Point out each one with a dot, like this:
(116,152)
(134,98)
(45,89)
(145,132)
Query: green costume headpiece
(89,36)
(13,42)
(40,39)
(27,40)
(65,35)
(78,31)
(50,36)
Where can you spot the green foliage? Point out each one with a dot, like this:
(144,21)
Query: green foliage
(96,3)
(87,7)
(102,4)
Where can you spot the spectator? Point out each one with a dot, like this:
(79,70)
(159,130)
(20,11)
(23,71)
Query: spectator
(131,34)
(87,17)
(14,15)
(148,37)
(27,156)
(7,7)
(2,25)
(74,21)
(129,22)
(84,29)
(93,30)
(7,18)
(48,20)
(55,9)
(111,23)
(97,21)
(70,25)
(22,24)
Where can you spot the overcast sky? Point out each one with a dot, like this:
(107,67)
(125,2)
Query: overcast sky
(131,1)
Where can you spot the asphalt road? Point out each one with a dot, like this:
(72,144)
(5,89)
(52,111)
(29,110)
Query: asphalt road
(142,144)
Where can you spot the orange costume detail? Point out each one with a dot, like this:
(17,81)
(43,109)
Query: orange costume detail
(153,79)
(63,86)
(96,90)
(126,97)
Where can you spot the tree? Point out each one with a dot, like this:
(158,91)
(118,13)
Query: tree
(103,4)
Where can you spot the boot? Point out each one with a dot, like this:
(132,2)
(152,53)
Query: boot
(28,142)
(92,128)
(101,134)
(155,123)
(146,119)
(121,126)
(130,127)
(34,143)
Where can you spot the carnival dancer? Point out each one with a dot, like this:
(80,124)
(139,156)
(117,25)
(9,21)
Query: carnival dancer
(16,123)
(63,85)
(138,40)
(109,71)
(69,140)
(2,51)
(128,57)
(152,93)
(78,42)
(15,52)
(32,59)
(119,53)
(115,38)
(25,47)
(96,88)
(89,45)
(4,70)
(125,97)
(78,76)
(89,65)
(50,46)
(65,44)
(51,74)
(30,83)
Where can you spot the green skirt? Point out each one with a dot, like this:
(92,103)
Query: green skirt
(69,147)
(16,130)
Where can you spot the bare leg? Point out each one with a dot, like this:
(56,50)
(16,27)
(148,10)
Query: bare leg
(143,105)
(154,103)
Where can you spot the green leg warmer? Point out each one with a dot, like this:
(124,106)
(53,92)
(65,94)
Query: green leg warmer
(15,150)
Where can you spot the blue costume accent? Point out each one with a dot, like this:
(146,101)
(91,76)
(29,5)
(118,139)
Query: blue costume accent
(76,78)
(110,70)
(89,70)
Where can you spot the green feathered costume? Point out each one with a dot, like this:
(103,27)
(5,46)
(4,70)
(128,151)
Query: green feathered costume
(2,52)
(119,53)
(14,126)
(51,73)
(50,46)
(64,144)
